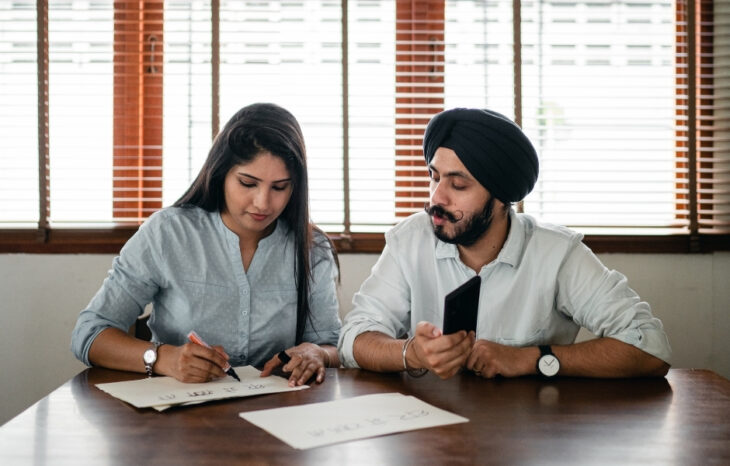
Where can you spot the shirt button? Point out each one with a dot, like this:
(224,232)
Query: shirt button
(245,292)
(245,313)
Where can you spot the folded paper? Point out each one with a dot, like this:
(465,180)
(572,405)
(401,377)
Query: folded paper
(162,392)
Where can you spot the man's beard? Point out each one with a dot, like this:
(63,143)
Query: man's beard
(474,228)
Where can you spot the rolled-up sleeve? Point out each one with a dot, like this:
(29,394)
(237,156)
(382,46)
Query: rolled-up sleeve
(601,300)
(128,288)
(381,305)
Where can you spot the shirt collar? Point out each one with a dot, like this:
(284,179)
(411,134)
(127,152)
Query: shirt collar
(512,248)
(278,235)
(445,250)
(280,231)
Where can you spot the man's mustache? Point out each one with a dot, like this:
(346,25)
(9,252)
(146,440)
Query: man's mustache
(441,212)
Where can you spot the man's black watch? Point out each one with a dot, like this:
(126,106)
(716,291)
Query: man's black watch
(548,364)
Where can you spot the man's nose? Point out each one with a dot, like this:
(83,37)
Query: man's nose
(438,196)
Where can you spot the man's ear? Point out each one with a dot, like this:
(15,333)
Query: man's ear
(504,206)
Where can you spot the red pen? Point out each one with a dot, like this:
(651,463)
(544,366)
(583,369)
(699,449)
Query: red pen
(195,338)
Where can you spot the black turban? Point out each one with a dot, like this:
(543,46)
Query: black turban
(492,147)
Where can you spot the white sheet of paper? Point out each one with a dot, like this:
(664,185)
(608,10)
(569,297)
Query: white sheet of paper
(164,392)
(318,424)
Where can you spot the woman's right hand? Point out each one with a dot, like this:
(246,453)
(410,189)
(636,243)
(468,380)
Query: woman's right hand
(114,349)
(191,363)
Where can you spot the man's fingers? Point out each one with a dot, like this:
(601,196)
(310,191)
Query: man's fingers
(471,361)
(448,369)
(458,342)
(428,330)
(449,362)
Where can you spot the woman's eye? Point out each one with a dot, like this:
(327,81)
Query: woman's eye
(247,185)
(279,188)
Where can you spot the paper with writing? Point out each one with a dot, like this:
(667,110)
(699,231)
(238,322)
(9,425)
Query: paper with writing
(318,424)
(163,392)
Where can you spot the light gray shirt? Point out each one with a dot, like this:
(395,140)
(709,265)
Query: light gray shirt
(544,285)
(188,264)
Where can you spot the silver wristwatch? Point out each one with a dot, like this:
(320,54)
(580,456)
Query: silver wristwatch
(150,358)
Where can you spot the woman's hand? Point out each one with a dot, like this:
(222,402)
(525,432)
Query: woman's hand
(114,349)
(307,359)
(191,363)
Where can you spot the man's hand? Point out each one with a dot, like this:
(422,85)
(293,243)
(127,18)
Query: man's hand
(444,355)
(488,359)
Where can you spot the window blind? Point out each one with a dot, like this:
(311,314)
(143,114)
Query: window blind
(713,154)
(599,105)
(103,153)
(290,53)
(81,110)
(19,193)
(372,120)
(137,110)
(187,96)
(626,102)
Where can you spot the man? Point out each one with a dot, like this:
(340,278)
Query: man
(539,283)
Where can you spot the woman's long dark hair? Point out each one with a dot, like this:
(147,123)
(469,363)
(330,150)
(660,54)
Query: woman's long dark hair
(254,129)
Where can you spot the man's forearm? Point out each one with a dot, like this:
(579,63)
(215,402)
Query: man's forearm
(378,352)
(607,357)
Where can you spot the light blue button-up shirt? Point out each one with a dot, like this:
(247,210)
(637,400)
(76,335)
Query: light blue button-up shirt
(188,264)
(544,285)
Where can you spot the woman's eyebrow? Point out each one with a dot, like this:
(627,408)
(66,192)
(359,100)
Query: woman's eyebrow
(259,179)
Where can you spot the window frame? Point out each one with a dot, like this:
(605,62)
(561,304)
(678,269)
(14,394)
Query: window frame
(47,240)
(110,241)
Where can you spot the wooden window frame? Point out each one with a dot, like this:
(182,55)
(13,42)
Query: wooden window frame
(143,194)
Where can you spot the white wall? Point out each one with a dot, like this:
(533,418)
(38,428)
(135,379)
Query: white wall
(41,295)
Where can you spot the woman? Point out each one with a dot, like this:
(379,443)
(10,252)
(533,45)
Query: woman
(235,259)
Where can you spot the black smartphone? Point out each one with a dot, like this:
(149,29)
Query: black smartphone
(461,307)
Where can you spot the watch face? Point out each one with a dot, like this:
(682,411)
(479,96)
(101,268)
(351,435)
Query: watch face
(149,356)
(548,365)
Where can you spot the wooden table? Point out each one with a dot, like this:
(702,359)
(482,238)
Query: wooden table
(683,419)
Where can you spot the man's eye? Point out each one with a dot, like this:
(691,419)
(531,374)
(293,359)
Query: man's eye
(459,187)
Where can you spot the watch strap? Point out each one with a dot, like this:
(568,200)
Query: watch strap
(546,350)
(148,366)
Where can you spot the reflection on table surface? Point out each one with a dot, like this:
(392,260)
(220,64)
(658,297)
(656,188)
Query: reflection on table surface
(680,419)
